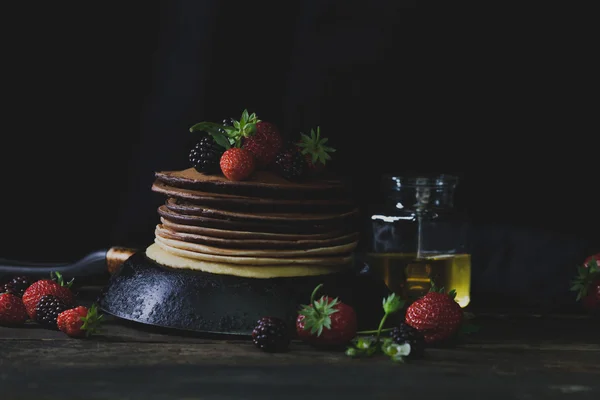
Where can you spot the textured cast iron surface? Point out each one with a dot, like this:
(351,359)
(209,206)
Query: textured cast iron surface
(146,292)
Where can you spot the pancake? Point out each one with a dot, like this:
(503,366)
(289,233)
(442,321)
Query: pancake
(253,204)
(252,226)
(188,251)
(167,233)
(246,235)
(182,207)
(171,260)
(341,249)
(259,184)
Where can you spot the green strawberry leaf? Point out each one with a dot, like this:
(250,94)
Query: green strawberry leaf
(222,140)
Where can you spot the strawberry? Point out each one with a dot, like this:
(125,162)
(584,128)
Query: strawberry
(237,164)
(79,321)
(326,322)
(587,283)
(12,310)
(314,150)
(265,143)
(55,286)
(437,315)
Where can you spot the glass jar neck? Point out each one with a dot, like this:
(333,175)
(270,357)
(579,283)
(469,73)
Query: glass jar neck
(420,193)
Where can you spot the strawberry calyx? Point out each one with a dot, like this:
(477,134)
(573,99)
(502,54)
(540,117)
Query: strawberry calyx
(586,275)
(317,315)
(434,289)
(91,321)
(315,147)
(229,136)
(58,278)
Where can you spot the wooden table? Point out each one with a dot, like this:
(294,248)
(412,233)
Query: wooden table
(511,357)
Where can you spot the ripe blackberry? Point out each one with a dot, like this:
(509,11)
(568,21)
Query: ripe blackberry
(405,333)
(205,156)
(228,122)
(16,285)
(271,334)
(47,310)
(290,163)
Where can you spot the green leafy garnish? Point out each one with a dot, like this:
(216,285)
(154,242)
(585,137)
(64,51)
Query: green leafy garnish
(585,276)
(315,146)
(228,136)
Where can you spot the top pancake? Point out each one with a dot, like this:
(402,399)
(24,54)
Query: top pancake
(260,184)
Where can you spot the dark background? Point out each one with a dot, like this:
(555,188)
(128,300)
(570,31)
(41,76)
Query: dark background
(97,98)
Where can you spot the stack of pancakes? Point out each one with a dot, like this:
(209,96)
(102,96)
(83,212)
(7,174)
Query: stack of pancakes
(264,227)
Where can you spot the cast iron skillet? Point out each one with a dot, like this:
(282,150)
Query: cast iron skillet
(145,292)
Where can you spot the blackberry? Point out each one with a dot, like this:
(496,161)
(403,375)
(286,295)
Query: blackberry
(405,333)
(47,310)
(16,285)
(228,122)
(270,334)
(206,155)
(290,163)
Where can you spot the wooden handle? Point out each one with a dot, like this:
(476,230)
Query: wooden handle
(116,256)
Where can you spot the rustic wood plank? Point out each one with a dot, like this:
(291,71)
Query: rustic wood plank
(530,358)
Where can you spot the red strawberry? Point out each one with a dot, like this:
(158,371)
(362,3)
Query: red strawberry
(587,283)
(437,315)
(326,322)
(265,143)
(594,257)
(79,321)
(591,300)
(12,310)
(237,164)
(314,150)
(57,288)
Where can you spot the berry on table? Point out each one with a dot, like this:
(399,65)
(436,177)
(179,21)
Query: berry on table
(326,322)
(55,286)
(79,321)
(404,333)
(16,285)
(48,309)
(12,310)
(437,315)
(271,334)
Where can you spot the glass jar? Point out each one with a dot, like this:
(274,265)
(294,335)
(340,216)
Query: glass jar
(415,237)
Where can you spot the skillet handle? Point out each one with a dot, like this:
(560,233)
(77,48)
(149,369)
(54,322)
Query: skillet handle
(94,264)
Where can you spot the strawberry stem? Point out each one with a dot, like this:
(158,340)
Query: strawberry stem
(313,301)
(375,331)
(381,325)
